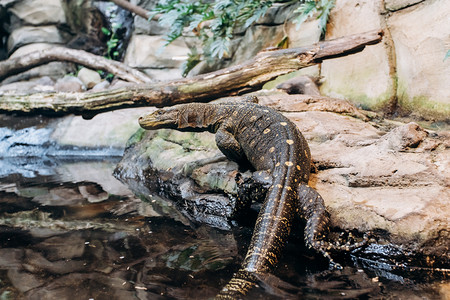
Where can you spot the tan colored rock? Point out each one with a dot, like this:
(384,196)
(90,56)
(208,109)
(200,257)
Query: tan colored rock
(364,78)
(308,33)
(393,5)
(89,77)
(39,12)
(149,52)
(421,37)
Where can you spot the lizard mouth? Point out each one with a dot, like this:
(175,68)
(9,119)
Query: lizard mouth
(158,119)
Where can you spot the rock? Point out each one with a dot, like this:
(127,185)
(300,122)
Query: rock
(40,34)
(300,85)
(149,52)
(110,129)
(365,77)
(162,161)
(394,5)
(296,103)
(260,37)
(43,84)
(371,179)
(39,12)
(89,77)
(55,70)
(101,86)
(307,34)
(60,248)
(69,84)
(164,74)
(277,14)
(420,48)
(24,281)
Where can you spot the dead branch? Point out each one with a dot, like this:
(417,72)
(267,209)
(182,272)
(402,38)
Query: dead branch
(246,77)
(20,64)
(132,8)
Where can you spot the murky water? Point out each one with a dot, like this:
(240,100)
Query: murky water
(70,230)
(78,233)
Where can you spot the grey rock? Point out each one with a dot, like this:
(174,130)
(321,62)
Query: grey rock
(39,12)
(101,86)
(36,34)
(69,84)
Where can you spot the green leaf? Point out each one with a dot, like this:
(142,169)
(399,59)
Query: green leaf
(325,8)
(219,47)
(305,11)
(106,31)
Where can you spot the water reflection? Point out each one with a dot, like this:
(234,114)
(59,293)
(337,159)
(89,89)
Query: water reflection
(75,232)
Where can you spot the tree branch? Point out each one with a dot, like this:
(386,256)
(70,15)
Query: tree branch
(20,64)
(133,8)
(249,76)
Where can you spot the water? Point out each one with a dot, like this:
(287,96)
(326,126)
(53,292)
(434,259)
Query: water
(70,230)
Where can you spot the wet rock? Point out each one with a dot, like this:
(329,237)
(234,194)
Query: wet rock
(60,248)
(35,262)
(24,281)
(88,77)
(11,258)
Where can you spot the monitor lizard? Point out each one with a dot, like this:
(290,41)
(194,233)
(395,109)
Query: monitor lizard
(274,146)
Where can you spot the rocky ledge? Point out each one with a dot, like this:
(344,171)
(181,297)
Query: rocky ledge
(375,175)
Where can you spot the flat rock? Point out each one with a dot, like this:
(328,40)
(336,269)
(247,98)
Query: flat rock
(373,176)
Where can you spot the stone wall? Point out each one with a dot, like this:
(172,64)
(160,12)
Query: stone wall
(407,71)
(405,74)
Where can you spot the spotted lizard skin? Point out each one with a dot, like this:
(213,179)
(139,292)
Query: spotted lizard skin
(273,145)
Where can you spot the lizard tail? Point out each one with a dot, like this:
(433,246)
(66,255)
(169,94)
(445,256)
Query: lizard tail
(238,286)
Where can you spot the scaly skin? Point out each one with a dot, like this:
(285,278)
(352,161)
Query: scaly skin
(277,150)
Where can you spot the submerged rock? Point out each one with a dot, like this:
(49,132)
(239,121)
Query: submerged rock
(384,177)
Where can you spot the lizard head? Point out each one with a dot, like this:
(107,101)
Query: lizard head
(162,118)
